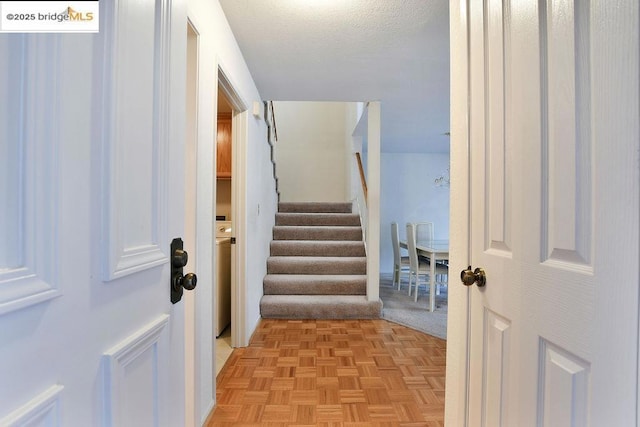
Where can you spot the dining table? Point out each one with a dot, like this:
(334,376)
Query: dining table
(435,251)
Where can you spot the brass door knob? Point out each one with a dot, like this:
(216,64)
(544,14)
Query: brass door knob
(477,276)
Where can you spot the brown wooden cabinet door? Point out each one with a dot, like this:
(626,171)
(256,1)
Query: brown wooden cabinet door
(223,147)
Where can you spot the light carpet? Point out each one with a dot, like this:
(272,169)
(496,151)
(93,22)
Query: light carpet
(400,308)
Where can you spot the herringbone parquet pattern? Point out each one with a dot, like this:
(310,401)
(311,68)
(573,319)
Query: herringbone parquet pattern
(333,373)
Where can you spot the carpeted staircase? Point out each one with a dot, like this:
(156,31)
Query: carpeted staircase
(318,265)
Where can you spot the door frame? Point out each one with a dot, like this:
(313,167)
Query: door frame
(198,314)
(457,371)
(192,240)
(238,207)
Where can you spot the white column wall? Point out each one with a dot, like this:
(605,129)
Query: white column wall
(351,116)
(373,201)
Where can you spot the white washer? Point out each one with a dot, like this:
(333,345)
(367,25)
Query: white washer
(222,292)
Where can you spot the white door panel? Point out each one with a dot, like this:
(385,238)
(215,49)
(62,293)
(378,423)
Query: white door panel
(134,130)
(28,171)
(554,209)
(89,126)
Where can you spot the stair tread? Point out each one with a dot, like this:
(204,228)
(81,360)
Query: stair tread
(301,259)
(361,299)
(319,227)
(321,242)
(314,218)
(317,214)
(312,259)
(353,243)
(314,279)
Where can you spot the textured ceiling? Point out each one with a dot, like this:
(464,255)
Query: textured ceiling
(394,51)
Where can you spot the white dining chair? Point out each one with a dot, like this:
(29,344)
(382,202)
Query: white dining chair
(400,263)
(424,232)
(442,279)
(419,268)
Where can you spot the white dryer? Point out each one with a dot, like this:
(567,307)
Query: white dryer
(222,291)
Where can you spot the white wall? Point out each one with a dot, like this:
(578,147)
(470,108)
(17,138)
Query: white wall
(310,152)
(223,198)
(408,194)
(218,48)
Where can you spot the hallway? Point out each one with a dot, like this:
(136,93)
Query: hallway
(323,372)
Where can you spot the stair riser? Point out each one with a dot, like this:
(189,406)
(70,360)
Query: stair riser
(310,284)
(319,289)
(271,307)
(315,207)
(317,233)
(318,219)
(317,248)
(282,265)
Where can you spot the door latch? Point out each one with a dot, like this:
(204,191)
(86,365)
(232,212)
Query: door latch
(179,259)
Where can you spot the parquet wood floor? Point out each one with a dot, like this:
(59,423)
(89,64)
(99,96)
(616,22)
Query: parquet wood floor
(333,373)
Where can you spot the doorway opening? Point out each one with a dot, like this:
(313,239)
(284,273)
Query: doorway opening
(224,232)
(230,173)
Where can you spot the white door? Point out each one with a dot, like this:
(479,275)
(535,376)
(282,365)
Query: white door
(91,190)
(554,211)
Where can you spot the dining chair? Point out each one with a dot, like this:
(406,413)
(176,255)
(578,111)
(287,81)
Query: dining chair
(400,263)
(419,268)
(442,279)
(424,232)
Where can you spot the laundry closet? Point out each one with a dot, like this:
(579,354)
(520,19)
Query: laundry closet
(223,220)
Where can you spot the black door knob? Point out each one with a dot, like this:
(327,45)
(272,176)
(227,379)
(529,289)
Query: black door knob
(187,281)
